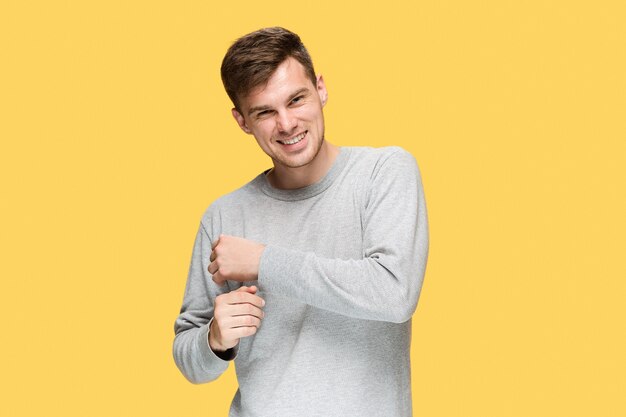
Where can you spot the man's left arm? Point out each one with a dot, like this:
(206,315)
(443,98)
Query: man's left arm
(385,284)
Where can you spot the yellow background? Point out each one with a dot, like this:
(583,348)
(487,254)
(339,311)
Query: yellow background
(116,135)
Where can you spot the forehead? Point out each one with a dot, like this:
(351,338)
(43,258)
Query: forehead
(289,77)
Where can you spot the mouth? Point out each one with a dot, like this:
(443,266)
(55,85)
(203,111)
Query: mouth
(293,140)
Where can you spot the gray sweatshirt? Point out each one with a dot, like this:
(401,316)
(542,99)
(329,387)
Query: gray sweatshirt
(341,276)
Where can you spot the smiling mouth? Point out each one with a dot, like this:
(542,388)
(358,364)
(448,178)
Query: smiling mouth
(293,140)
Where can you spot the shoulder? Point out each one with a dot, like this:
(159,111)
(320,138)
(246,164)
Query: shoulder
(379,160)
(230,202)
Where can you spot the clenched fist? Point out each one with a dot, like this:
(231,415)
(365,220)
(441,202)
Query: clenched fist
(235,258)
(236,314)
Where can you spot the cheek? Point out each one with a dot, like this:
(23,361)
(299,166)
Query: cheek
(265,129)
(305,112)
(312,112)
(263,136)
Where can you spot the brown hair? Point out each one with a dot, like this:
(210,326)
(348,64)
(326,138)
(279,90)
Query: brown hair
(253,58)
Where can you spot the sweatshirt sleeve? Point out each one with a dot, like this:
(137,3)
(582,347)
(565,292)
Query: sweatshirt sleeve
(192,353)
(385,284)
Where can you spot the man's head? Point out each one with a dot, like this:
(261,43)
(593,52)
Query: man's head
(253,58)
(278,99)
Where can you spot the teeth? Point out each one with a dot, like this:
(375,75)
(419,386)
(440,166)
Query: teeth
(294,140)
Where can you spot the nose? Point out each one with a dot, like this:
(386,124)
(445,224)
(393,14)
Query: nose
(285,121)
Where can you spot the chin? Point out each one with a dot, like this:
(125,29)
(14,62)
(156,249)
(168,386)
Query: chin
(290,163)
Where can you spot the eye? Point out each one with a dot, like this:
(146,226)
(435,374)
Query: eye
(263,113)
(297,99)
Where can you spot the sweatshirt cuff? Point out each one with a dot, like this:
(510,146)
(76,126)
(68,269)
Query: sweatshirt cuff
(208,355)
(277,263)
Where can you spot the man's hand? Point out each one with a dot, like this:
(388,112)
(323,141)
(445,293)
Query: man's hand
(237,314)
(235,258)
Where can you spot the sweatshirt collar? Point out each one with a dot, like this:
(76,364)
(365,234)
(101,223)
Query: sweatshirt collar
(310,190)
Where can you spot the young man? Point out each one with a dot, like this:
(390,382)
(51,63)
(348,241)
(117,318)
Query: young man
(307,276)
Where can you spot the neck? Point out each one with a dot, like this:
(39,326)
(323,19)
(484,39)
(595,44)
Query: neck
(288,178)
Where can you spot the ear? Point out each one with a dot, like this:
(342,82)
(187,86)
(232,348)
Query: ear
(241,121)
(321,90)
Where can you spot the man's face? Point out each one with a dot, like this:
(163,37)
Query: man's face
(285,116)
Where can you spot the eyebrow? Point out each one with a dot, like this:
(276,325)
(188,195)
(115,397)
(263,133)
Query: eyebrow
(291,97)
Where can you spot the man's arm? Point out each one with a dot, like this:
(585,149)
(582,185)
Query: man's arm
(212,319)
(384,285)
(192,354)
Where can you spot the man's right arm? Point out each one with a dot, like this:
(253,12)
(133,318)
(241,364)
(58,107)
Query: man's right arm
(212,319)
(192,353)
